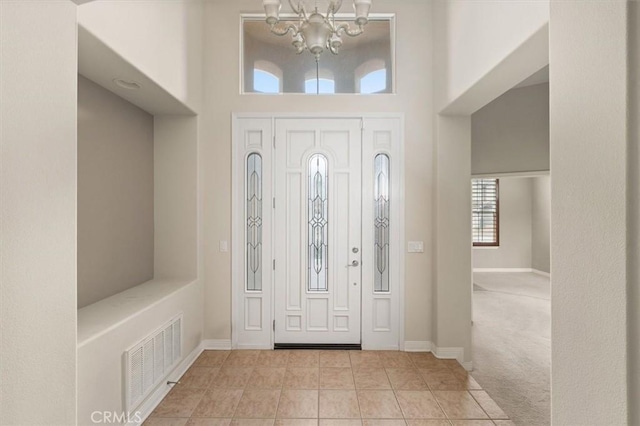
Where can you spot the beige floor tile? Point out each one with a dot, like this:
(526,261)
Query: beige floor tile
(277,358)
(339,404)
(304,359)
(194,421)
(360,359)
(427,360)
(218,403)
(472,423)
(469,382)
(457,368)
(252,422)
(301,378)
(459,405)
(336,378)
(242,359)
(298,404)
(378,404)
(423,422)
(266,378)
(419,405)
(371,378)
(340,422)
(211,358)
(406,379)
(258,404)
(198,377)
(383,422)
(442,380)
(489,405)
(296,422)
(232,378)
(179,403)
(504,423)
(334,359)
(395,359)
(161,421)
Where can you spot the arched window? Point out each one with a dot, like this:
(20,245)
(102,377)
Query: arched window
(320,86)
(374,82)
(320,82)
(267,77)
(371,77)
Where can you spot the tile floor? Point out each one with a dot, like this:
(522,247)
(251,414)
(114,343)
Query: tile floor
(326,388)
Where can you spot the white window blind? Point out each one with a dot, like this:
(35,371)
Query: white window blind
(485,215)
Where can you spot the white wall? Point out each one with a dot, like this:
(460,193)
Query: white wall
(38,69)
(452,319)
(481,33)
(115,194)
(161,38)
(515,248)
(633,232)
(589,143)
(511,134)
(541,224)
(176,197)
(413,98)
(100,357)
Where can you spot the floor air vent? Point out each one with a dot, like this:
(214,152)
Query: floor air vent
(149,362)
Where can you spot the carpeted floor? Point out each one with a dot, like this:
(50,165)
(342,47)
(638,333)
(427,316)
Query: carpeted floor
(512,343)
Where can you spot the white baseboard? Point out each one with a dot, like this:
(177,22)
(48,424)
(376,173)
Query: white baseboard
(216,345)
(158,395)
(418,346)
(544,274)
(456,353)
(502,270)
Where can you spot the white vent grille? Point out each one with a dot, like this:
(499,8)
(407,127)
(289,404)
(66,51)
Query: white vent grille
(149,362)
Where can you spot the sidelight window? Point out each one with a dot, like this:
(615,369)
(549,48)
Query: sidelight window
(254,222)
(381,223)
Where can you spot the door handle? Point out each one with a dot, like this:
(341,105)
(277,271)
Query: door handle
(354,263)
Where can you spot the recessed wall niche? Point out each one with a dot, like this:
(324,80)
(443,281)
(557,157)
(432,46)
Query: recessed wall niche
(115,194)
(365,64)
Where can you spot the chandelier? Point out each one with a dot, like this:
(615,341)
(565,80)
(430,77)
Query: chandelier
(313,31)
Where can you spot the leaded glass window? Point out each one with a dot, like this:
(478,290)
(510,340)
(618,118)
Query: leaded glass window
(254,222)
(381,223)
(317,212)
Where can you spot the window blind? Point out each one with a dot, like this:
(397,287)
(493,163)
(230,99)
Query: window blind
(485,215)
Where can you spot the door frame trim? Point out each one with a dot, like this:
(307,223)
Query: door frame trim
(237,230)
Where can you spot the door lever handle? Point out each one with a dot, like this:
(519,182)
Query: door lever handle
(354,263)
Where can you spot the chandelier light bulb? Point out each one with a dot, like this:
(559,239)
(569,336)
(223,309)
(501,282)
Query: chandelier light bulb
(362,8)
(316,32)
(272,10)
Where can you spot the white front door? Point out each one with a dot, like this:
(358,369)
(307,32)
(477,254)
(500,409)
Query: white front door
(317,231)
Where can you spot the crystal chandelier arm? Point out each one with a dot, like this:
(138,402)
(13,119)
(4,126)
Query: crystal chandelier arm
(345,28)
(299,10)
(284,31)
(334,7)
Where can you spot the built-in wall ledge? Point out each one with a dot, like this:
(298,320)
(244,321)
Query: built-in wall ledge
(100,317)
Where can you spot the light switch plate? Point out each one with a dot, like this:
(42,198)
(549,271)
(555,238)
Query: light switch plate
(415,247)
(224,246)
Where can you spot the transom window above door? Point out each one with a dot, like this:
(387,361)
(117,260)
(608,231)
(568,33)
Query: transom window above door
(364,66)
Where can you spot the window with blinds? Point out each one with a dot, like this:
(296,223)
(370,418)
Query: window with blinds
(485,215)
